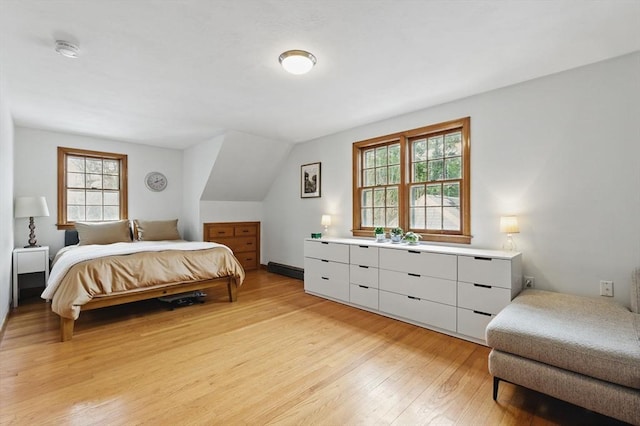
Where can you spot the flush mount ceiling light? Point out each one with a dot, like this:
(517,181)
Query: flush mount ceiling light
(67,49)
(297,61)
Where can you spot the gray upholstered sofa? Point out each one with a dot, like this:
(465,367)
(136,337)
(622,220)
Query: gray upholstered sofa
(582,350)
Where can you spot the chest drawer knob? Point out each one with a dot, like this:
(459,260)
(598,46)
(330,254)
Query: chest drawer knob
(482,285)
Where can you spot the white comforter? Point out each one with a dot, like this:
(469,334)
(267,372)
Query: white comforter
(69,256)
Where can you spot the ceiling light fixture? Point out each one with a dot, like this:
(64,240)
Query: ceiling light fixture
(67,49)
(297,61)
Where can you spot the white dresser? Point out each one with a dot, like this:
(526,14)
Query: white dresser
(453,290)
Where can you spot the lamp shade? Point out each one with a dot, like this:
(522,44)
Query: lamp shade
(326,220)
(509,224)
(30,207)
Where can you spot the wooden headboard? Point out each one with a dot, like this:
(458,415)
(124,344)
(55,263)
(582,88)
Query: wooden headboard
(70,237)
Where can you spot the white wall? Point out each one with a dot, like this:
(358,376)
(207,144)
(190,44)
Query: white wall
(6,202)
(561,152)
(35,173)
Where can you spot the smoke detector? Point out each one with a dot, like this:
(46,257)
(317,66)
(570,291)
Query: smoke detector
(67,49)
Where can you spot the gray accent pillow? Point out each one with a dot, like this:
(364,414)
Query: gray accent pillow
(103,232)
(156,230)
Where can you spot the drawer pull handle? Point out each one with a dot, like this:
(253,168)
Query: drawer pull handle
(482,313)
(249,244)
(324,242)
(482,285)
(413,275)
(413,252)
(483,258)
(363,286)
(325,278)
(363,246)
(221,232)
(363,267)
(326,261)
(245,230)
(413,298)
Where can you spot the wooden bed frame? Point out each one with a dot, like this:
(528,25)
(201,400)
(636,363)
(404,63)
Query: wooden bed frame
(66,324)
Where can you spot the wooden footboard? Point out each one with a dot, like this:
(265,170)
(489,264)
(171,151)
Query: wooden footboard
(66,324)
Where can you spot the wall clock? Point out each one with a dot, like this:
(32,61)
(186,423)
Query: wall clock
(155,181)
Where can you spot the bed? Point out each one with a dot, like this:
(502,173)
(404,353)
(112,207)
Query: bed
(86,275)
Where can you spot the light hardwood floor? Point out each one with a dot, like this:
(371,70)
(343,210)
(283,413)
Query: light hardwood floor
(276,356)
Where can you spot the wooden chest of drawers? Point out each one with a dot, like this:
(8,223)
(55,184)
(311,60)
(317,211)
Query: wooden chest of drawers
(243,238)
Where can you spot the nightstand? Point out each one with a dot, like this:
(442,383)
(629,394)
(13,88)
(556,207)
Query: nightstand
(27,260)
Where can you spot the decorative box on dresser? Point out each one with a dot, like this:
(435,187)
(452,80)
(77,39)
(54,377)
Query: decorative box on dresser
(448,289)
(243,238)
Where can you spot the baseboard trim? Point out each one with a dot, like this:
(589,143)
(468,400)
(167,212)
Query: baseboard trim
(286,270)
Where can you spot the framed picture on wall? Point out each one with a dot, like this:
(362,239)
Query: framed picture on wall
(310,180)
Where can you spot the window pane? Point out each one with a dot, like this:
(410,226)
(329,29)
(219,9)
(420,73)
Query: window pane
(435,148)
(111,198)
(394,154)
(419,172)
(367,198)
(75,164)
(417,196)
(75,196)
(392,196)
(378,198)
(434,195)
(111,182)
(392,217)
(369,159)
(416,218)
(94,181)
(453,168)
(394,174)
(94,166)
(369,177)
(451,218)
(453,144)
(451,194)
(75,180)
(367,218)
(381,156)
(378,217)
(111,167)
(436,171)
(94,213)
(75,213)
(94,198)
(381,176)
(111,213)
(434,218)
(419,150)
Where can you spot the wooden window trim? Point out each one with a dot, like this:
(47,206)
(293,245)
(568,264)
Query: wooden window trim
(464,235)
(62,177)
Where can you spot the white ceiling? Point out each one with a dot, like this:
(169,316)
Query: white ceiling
(176,72)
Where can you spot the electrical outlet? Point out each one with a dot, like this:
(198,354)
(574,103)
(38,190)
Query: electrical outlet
(529,282)
(606,288)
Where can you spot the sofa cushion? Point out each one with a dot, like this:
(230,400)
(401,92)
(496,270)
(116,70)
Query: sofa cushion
(597,338)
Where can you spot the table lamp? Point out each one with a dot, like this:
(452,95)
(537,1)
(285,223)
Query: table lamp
(509,226)
(31,207)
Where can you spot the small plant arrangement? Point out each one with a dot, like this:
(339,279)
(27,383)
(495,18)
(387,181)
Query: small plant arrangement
(379,232)
(396,234)
(412,238)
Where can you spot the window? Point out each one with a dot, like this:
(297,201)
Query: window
(417,180)
(92,186)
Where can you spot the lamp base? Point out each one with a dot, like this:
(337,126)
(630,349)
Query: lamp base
(509,245)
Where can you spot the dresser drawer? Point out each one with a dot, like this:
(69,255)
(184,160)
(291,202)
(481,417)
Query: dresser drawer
(419,262)
(365,275)
(31,262)
(483,298)
(363,296)
(484,270)
(248,260)
(422,311)
(214,232)
(327,278)
(327,251)
(241,244)
(363,255)
(472,323)
(245,230)
(423,287)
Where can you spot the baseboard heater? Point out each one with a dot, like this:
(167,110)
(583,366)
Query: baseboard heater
(286,270)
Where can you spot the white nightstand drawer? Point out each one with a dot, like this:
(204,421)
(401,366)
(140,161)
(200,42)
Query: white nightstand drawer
(472,323)
(423,287)
(364,296)
(327,269)
(484,270)
(422,311)
(365,275)
(327,251)
(31,262)
(483,298)
(363,254)
(419,262)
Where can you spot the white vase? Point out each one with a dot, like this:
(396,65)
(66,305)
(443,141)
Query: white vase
(380,237)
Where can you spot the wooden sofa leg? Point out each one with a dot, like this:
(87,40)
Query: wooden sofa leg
(496,382)
(66,329)
(233,290)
